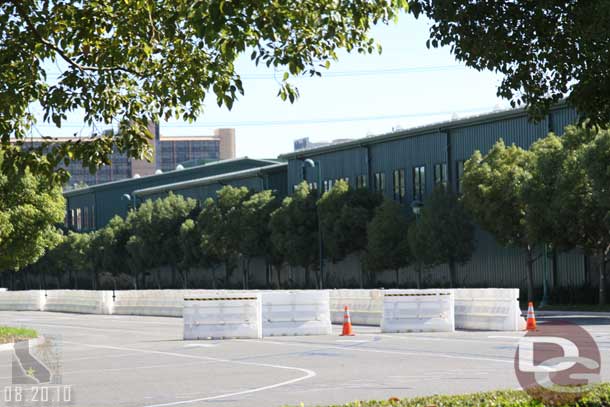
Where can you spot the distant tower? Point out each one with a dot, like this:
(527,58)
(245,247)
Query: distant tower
(226,143)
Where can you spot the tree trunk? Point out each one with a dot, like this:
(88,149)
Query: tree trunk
(397,277)
(214,277)
(451,273)
(307,277)
(158,277)
(362,272)
(530,274)
(419,272)
(602,281)
(186,277)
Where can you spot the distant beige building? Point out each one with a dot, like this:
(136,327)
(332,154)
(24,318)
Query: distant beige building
(168,152)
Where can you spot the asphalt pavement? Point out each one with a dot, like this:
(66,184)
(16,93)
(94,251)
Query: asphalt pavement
(135,361)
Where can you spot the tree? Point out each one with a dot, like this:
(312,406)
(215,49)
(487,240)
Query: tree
(444,233)
(133,62)
(110,253)
(586,191)
(220,222)
(256,230)
(30,209)
(388,246)
(294,231)
(155,227)
(543,51)
(344,215)
(493,194)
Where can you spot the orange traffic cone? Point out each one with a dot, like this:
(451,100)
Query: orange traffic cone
(531,318)
(347,323)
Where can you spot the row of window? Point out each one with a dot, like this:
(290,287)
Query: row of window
(418,179)
(81,218)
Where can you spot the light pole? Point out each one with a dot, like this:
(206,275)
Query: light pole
(316,164)
(545,282)
(416,206)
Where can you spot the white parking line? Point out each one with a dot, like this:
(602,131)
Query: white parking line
(308,373)
(393,352)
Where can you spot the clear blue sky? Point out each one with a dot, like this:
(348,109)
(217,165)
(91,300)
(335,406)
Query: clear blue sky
(360,95)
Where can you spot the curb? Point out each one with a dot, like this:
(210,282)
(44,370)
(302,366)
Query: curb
(32,342)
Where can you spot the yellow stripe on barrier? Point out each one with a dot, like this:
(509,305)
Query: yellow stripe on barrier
(416,295)
(222,299)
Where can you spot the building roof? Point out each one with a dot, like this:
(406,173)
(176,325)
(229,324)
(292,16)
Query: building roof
(185,171)
(210,180)
(414,131)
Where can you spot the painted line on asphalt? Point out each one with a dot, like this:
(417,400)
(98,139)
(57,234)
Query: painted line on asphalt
(393,352)
(308,373)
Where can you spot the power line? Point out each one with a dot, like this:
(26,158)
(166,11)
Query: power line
(323,120)
(350,73)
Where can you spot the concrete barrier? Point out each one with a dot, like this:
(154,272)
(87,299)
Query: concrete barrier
(32,300)
(418,311)
(161,303)
(2,289)
(223,316)
(489,309)
(296,313)
(79,301)
(366,306)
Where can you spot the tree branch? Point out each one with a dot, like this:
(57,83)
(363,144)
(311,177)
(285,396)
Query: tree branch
(24,15)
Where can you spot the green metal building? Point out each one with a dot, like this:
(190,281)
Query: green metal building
(406,165)
(92,207)
(402,165)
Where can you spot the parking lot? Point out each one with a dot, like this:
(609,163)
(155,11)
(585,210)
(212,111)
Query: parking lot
(143,361)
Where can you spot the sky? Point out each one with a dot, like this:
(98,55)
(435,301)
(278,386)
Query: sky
(407,85)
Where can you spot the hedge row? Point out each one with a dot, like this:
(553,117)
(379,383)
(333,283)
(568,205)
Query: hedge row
(598,396)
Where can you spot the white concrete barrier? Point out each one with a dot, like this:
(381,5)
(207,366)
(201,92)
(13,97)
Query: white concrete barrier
(2,289)
(32,300)
(304,312)
(365,306)
(162,303)
(223,316)
(418,311)
(489,309)
(79,301)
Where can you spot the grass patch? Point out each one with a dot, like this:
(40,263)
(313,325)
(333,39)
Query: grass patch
(9,335)
(598,396)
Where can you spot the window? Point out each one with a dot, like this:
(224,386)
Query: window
(72,218)
(440,175)
(380,182)
(419,182)
(399,185)
(361,181)
(93,216)
(86,218)
(325,185)
(79,220)
(460,175)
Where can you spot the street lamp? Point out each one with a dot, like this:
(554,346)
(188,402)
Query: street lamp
(416,206)
(316,164)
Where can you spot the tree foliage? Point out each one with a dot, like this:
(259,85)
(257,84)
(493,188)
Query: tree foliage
(220,223)
(344,215)
(388,245)
(132,62)
(444,233)
(155,230)
(544,51)
(30,210)
(494,187)
(294,230)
